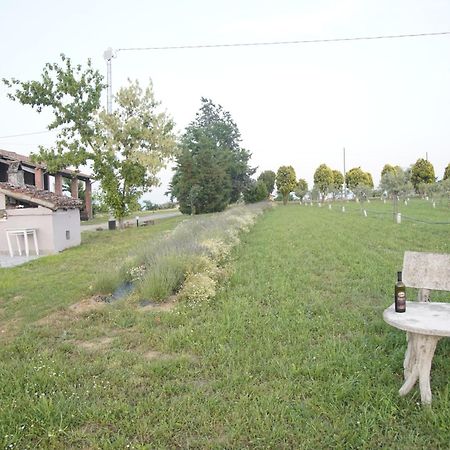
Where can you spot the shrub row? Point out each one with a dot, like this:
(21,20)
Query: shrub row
(188,261)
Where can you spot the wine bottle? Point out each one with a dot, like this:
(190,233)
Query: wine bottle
(400,294)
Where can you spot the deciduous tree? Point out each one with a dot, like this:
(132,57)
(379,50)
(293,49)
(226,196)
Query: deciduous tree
(323,179)
(396,183)
(256,192)
(132,145)
(286,181)
(447,172)
(388,168)
(356,176)
(126,149)
(338,181)
(268,177)
(301,189)
(422,172)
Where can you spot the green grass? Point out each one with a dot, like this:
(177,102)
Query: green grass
(104,217)
(292,353)
(40,287)
(415,210)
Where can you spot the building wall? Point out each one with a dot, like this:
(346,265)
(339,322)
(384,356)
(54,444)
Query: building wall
(66,229)
(51,228)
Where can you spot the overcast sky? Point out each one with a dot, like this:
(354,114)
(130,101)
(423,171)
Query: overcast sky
(385,101)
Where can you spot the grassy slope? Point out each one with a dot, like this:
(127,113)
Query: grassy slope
(293,353)
(40,287)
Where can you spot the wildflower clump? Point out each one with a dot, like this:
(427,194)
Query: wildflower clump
(217,250)
(198,288)
(136,273)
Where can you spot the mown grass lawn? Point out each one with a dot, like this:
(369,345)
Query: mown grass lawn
(292,353)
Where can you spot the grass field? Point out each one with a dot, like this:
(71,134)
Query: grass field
(292,353)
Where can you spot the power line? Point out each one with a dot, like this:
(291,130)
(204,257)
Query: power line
(24,134)
(304,41)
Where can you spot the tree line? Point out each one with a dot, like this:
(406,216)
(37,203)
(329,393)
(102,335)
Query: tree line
(126,148)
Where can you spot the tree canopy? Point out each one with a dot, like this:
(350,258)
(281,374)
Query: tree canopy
(323,179)
(356,177)
(212,169)
(268,177)
(301,189)
(422,172)
(125,149)
(132,145)
(72,94)
(447,172)
(338,181)
(286,181)
(388,168)
(396,182)
(256,192)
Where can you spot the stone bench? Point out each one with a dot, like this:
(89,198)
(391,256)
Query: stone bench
(425,322)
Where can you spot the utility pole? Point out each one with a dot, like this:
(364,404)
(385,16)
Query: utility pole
(108,55)
(345,185)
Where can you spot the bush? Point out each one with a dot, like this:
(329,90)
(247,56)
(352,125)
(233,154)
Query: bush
(198,287)
(164,279)
(256,192)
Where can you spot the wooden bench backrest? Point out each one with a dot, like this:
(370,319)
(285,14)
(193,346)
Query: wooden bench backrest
(426,271)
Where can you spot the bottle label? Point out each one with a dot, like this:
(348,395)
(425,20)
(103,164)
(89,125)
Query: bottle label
(400,304)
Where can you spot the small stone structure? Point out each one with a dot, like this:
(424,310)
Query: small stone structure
(21,170)
(56,218)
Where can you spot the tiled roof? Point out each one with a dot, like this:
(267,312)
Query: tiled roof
(27,160)
(39,197)
(16,157)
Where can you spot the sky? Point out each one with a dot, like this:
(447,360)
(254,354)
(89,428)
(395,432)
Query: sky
(384,101)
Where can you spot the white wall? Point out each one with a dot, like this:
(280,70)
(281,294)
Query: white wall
(63,222)
(51,228)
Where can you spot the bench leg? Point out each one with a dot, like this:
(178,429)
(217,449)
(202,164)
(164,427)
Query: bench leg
(417,364)
(409,362)
(426,349)
(410,367)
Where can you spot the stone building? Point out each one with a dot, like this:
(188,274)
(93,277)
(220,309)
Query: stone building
(37,219)
(32,218)
(20,170)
